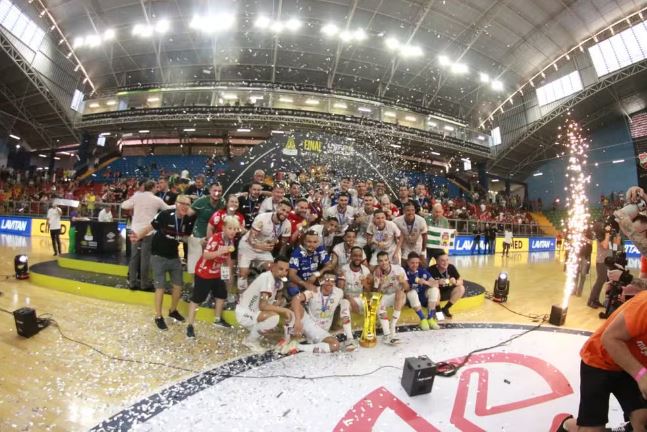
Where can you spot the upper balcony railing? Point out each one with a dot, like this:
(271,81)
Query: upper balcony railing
(301,98)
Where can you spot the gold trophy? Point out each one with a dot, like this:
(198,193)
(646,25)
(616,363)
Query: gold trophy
(371,304)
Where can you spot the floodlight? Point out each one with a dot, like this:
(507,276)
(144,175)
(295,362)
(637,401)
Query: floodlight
(330,30)
(109,34)
(359,35)
(346,36)
(93,41)
(21,266)
(497,85)
(277,27)
(484,78)
(294,24)
(449,128)
(78,42)
(392,43)
(262,22)
(443,60)
(501,288)
(459,68)
(162,26)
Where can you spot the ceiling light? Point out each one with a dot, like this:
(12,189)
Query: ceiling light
(189,129)
(42,155)
(294,24)
(225,21)
(162,26)
(153,99)
(459,68)
(435,153)
(144,131)
(109,34)
(537,174)
(443,60)
(243,130)
(494,180)
(17,146)
(254,98)
(484,78)
(277,132)
(395,145)
(497,85)
(111,103)
(330,30)
(346,36)
(448,128)
(312,101)
(277,27)
(481,138)
(104,134)
(389,114)
(286,99)
(392,43)
(94,105)
(432,124)
(410,118)
(229,96)
(142,30)
(364,109)
(411,51)
(262,22)
(340,105)
(617,161)
(57,158)
(16,137)
(92,41)
(78,42)
(359,35)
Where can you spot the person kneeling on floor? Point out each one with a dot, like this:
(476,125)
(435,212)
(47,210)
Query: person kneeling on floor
(449,281)
(314,312)
(256,310)
(424,290)
(212,273)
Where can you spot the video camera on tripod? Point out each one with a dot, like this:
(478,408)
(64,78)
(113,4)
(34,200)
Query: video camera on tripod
(617,261)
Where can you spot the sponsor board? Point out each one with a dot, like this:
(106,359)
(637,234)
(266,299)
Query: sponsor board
(519,244)
(40,228)
(631,250)
(542,244)
(463,245)
(15,225)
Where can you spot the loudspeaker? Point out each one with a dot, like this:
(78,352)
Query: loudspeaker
(26,322)
(418,375)
(557,315)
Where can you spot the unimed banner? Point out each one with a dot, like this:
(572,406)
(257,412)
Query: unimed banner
(40,228)
(519,244)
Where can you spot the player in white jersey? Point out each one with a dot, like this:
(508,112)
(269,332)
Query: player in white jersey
(354,279)
(391,280)
(383,236)
(414,232)
(269,231)
(342,211)
(314,312)
(256,310)
(363,218)
(341,251)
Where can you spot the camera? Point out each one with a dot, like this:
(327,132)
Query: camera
(617,261)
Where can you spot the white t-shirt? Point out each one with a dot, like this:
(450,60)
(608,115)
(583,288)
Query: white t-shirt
(322,308)
(325,241)
(267,206)
(389,235)
(345,218)
(389,283)
(105,215)
(264,283)
(354,279)
(412,233)
(507,237)
(267,230)
(342,256)
(54,218)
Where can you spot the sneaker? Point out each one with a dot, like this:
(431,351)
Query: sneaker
(253,345)
(161,324)
(390,340)
(190,332)
(286,347)
(221,323)
(424,325)
(433,324)
(351,345)
(176,316)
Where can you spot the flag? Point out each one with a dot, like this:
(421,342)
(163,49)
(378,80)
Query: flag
(438,238)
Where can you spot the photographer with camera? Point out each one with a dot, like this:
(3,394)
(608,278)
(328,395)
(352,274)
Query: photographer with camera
(608,241)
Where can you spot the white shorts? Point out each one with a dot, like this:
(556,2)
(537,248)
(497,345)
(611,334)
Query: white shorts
(245,317)
(195,252)
(360,303)
(311,330)
(388,300)
(407,249)
(246,255)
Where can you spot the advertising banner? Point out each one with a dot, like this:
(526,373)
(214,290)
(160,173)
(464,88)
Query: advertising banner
(519,244)
(40,228)
(463,245)
(542,244)
(15,225)
(631,250)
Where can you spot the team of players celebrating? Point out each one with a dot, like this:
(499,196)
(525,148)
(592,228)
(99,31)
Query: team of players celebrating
(316,253)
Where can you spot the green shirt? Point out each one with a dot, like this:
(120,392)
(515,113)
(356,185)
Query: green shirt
(433,236)
(203,209)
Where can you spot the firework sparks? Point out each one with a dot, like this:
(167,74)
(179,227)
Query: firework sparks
(577,202)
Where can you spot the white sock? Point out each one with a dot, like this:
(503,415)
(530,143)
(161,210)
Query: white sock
(385,326)
(345,319)
(394,320)
(321,347)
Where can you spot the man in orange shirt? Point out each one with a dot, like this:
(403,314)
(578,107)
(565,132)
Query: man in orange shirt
(614,361)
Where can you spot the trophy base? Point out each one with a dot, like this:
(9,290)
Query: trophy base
(370,343)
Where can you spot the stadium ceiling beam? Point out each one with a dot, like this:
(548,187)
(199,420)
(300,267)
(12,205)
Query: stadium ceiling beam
(275,41)
(601,85)
(8,48)
(234,118)
(340,46)
(157,49)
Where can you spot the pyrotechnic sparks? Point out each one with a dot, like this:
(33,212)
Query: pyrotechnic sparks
(577,202)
